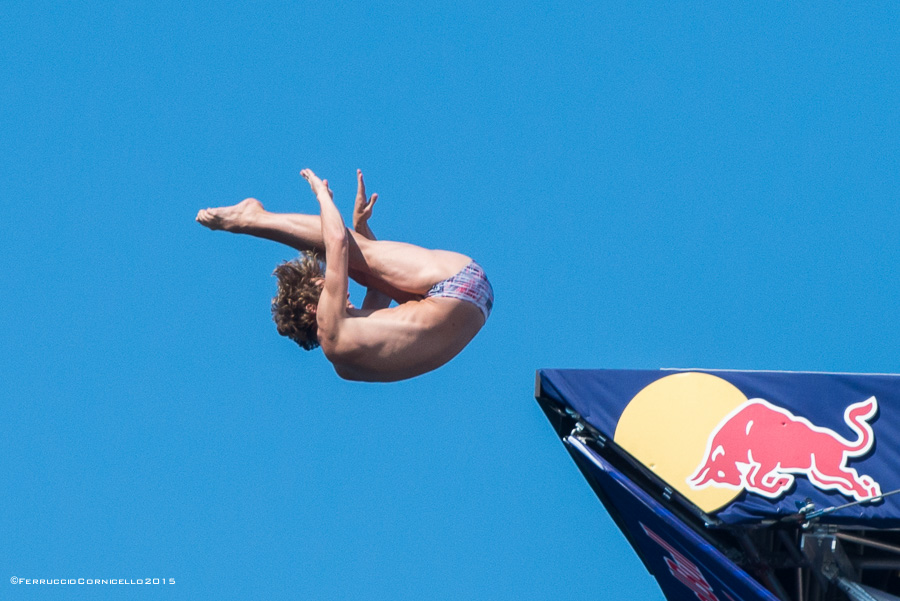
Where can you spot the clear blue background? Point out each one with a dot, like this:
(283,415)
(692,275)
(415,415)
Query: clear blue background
(657,185)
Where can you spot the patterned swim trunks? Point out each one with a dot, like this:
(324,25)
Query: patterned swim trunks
(470,284)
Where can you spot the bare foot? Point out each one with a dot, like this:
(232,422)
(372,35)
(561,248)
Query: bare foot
(231,219)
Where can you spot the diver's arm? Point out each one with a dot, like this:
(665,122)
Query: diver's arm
(362,211)
(332,309)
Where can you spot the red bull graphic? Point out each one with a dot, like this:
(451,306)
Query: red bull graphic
(682,568)
(760,447)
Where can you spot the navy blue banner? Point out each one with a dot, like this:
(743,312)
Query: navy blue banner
(747,446)
(686,567)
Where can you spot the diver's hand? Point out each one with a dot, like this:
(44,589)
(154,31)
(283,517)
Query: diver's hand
(362,208)
(318,186)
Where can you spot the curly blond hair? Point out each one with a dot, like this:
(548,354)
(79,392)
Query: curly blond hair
(299,287)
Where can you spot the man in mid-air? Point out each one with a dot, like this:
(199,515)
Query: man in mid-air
(443,297)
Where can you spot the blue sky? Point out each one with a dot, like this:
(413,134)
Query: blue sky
(650,185)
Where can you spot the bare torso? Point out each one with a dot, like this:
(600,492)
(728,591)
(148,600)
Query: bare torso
(396,343)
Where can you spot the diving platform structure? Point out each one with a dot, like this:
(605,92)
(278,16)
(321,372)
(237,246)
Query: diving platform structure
(742,486)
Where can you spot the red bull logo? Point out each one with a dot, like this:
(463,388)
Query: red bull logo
(683,569)
(761,448)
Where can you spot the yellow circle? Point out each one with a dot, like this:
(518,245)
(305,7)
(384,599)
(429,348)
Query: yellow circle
(667,424)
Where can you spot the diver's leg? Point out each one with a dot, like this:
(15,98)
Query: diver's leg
(407,266)
(399,265)
(301,232)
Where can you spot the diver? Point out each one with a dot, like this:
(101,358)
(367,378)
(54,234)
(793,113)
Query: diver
(443,298)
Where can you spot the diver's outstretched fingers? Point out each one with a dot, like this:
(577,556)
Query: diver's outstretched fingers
(360,186)
(362,203)
(362,207)
(315,183)
(311,177)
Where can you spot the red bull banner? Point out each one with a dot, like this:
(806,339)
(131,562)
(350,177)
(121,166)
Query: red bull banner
(686,566)
(750,446)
